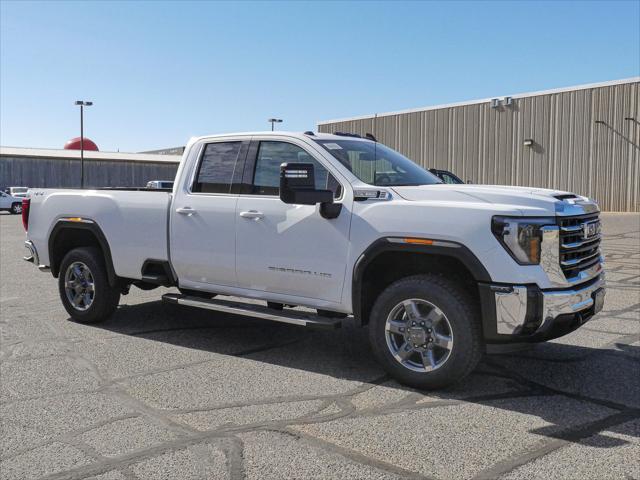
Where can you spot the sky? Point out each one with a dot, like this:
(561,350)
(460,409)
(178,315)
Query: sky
(161,72)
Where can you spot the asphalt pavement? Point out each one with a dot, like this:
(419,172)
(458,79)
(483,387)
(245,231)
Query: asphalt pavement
(164,392)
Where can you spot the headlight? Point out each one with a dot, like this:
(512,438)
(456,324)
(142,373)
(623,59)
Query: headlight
(520,236)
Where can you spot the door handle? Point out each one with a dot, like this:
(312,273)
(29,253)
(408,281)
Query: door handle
(252,214)
(188,211)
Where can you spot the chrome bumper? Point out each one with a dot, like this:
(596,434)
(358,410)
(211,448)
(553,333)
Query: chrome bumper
(32,256)
(520,311)
(560,302)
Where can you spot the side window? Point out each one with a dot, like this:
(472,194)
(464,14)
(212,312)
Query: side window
(215,172)
(448,178)
(266,178)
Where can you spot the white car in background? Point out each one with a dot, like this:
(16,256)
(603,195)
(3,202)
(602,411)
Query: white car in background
(19,192)
(10,203)
(160,184)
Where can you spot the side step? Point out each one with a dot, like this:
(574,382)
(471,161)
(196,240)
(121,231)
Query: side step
(161,280)
(292,317)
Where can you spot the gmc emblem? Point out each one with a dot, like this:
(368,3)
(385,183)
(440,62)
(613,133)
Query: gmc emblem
(590,229)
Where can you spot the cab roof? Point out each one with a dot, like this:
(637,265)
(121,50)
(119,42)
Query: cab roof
(279,133)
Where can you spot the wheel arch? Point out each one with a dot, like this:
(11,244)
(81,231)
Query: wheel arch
(67,235)
(389,259)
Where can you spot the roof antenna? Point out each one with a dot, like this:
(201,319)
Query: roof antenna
(370,137)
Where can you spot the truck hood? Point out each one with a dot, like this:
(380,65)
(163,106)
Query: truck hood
(527,199)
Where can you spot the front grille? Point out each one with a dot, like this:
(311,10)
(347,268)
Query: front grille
(579,243)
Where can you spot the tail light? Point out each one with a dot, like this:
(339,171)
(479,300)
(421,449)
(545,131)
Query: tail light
(26,203)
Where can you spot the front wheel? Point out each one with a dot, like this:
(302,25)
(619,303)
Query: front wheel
(16,208)
(425,332)
(84,286)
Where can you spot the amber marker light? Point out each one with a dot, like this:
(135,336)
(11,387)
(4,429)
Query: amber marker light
(534,250)
(418,241)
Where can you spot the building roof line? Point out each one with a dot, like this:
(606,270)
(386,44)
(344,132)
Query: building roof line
(61,154)
(485,100)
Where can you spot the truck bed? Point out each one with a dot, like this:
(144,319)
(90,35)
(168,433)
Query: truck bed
(133,221)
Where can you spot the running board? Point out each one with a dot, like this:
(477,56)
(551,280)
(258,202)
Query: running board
(292,317)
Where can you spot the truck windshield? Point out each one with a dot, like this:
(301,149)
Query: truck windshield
(376,164)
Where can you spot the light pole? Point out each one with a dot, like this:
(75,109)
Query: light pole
(274,120)
(82,104)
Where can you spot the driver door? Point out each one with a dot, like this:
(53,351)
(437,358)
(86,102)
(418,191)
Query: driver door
(289,249)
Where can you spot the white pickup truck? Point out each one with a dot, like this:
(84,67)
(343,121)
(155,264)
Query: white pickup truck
(341,225)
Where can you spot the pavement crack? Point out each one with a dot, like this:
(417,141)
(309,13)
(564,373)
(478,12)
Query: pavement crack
(353,455)
(563,438)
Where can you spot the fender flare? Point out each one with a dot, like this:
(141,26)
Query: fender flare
(396,244)
(65,224)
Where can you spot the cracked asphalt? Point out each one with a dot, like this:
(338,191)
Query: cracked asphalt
(164,392)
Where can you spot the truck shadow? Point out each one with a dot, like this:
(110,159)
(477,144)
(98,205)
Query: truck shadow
(580,392)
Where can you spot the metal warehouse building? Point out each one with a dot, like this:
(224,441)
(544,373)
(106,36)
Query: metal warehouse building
(34,167)
(584,139)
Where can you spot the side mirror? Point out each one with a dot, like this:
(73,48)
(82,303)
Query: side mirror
(298,186)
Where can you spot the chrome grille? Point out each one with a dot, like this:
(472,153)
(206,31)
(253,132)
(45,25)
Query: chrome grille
(579,243)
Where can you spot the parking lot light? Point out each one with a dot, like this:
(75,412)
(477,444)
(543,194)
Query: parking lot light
(82,104)
(273,121)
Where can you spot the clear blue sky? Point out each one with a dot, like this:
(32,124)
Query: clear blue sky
(160,72)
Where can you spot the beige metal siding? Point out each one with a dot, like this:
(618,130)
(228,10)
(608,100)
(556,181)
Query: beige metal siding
(65,172)
(570,152)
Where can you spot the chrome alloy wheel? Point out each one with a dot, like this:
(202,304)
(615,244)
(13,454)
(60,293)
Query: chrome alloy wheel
(78,285)
(419,335)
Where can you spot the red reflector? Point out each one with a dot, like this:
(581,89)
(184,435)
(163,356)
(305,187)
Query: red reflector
(26,203)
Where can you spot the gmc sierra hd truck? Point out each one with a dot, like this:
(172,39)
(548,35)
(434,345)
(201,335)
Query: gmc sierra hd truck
(344,226)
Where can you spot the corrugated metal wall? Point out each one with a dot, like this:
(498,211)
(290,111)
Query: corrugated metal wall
(586,141)
(64,172)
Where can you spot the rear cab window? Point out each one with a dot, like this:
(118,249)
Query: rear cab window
(217,167)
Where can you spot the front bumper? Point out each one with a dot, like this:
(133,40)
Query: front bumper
(524,313)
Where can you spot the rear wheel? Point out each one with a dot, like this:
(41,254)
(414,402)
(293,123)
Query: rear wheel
(84,286)
(16,208)
(425,332)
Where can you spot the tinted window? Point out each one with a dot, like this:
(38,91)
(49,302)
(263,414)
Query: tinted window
(448,178)
(376,164)
(216,167)
(266,179)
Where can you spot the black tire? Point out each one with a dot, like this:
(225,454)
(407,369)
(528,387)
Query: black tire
(462,317)
(16,208)
(105,297)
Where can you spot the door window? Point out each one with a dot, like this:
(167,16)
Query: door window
(217,166)
(266,178)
